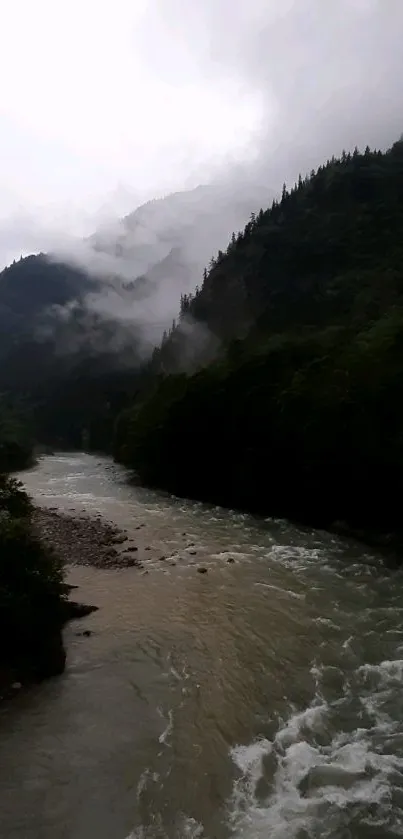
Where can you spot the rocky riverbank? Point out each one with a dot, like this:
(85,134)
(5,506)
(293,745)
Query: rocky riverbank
(85,540)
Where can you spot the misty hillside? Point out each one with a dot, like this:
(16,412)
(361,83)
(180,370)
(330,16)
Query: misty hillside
(195,223)
(294,264)
(292,403)
(158,252)
(99,311)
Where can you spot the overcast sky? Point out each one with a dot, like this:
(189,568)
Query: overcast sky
(104,103)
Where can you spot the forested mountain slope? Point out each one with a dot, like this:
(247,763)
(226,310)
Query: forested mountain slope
(300,413)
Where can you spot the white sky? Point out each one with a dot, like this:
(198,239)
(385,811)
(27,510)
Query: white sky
(106,102)
(83,109)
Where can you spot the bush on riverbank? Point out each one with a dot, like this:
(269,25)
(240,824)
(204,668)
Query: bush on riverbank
(16,445)
(32,595)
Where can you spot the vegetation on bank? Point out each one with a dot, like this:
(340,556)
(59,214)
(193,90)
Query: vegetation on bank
(16,443)
(32,594)
(299,414)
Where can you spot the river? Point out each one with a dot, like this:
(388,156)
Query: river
(260,699)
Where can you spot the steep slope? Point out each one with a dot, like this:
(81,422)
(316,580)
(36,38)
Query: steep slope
(300,414)
(165,244)
(282,270)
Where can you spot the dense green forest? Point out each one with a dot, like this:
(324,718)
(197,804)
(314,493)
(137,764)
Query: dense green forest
(290,404)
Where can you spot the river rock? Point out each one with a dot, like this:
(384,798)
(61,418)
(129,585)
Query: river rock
(73,610)
(133,562)
(83,540)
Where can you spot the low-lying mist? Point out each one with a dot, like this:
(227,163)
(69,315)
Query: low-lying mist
(142,265)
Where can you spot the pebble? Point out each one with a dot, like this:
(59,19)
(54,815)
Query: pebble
(83,540)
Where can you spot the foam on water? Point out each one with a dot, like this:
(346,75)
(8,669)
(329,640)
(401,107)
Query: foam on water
(287,591)
(163,738)
(315,779)
(187,828)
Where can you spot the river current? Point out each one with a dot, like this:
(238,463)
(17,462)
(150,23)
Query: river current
(260,699)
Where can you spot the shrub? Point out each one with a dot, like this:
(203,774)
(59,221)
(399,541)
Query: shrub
(14,501)
(32,594)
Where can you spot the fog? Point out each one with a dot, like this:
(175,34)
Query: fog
(241,95)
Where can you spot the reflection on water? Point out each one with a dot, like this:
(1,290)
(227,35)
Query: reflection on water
(260,699)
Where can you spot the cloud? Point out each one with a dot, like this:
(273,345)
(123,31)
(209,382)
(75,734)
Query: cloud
(159,95)
(82,111)
(164,94)
(152,256)
(328,73)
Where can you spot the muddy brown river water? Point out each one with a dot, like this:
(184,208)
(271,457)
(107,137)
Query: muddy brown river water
(260,699)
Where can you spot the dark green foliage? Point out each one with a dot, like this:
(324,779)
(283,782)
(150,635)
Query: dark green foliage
(30,589)
(14,501)
(15,440)
(302,263)
(32,595)
(301,415)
